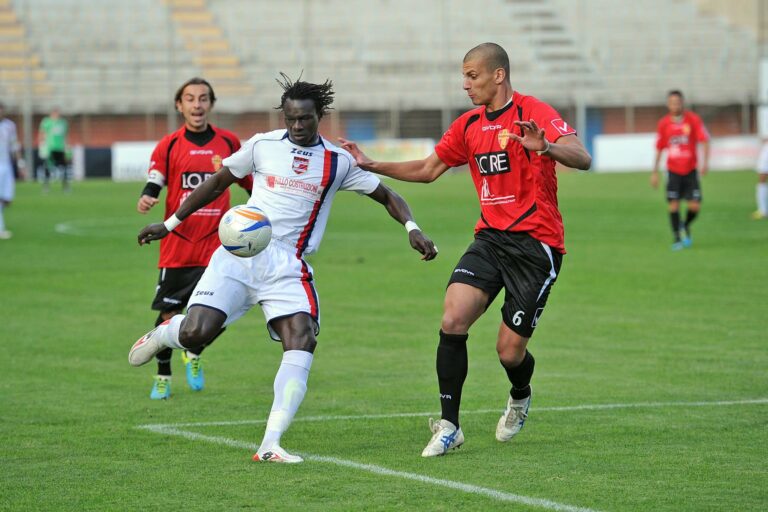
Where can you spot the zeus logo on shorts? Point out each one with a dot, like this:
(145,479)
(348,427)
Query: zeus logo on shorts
(192,180)
(493,163)
(202,292)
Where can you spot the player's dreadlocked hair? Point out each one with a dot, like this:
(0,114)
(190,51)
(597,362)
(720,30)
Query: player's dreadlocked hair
(320,94)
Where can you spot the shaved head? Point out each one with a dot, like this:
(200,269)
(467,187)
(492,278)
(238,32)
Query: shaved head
(493,55)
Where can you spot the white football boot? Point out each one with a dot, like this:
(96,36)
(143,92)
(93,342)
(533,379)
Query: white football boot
(276,454)
(513,419)
(445,437)
(147,346)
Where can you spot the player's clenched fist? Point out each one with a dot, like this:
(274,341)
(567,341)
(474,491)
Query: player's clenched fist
(423,244)
(152,232)
(146,203)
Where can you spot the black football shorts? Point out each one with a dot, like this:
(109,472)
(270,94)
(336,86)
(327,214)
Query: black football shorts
(517,262)
(685,187)
(175,287)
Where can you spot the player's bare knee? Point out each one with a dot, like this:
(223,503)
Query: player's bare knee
(194,333)
(511,356)
(303,340)
(453,323)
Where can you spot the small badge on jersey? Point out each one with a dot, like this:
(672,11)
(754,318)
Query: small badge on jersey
(216,161)
(300,164)
(503,138)
(562,127)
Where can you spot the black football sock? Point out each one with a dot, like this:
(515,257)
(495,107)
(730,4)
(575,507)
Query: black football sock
(520,377)
(690,215)
(674,218)
(164,362)
(452,365)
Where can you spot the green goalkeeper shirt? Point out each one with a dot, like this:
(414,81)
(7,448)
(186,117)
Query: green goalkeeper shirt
(55,133)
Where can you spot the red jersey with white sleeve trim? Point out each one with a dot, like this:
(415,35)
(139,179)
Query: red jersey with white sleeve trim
(680,138)
(183,160)
(517,188)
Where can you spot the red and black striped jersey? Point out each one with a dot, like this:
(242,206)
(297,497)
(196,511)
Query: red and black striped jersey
(517,188)
(182,161)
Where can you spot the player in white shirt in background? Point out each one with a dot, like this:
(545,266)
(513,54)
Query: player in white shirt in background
(761,191)
(9,148)
(296,175)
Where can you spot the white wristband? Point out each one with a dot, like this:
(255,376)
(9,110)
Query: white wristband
(172,222)
(410,226)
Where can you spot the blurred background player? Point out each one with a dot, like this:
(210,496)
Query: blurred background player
(10,153)
(511,143)
(52,140)
(761,191)
(297,174)
(182,161)
(679,133)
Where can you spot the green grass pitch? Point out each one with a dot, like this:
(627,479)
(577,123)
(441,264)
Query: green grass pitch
(650,392)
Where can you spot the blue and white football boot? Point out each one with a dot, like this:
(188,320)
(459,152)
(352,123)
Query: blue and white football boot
(513,419)
(445,437)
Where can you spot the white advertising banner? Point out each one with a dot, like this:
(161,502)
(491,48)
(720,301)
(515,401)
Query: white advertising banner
(130,160)
(636,152)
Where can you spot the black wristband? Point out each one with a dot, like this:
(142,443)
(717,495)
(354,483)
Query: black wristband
(151,190)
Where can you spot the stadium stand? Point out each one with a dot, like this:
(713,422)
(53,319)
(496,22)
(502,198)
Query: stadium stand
(126,58)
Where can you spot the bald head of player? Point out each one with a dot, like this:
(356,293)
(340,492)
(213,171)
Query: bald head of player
(486,76)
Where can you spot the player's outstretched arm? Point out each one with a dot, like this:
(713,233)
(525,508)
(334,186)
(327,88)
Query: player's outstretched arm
(568,150)
(401,212)
(421,171)
(209,190)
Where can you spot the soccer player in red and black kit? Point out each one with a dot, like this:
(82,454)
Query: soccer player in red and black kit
(679,132)
(511,143)
(182,161)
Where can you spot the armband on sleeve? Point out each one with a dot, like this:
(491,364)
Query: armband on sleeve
(151,189)
(156,177)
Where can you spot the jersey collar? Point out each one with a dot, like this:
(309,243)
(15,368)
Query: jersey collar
(492,116)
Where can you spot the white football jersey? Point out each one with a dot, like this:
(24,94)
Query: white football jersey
(294,185)
(8,141)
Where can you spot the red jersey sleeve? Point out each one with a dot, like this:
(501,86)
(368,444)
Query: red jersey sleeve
(661,135)
(702,134)
(159,159)
(550,120)
(452,149)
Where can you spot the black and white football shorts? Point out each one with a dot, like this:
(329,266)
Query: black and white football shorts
(517,262)
(175,286)
(685,187)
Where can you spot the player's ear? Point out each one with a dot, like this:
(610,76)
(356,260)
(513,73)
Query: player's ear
(499,76)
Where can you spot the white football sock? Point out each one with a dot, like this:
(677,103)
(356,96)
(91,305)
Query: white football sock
(290,387)
(2,219)
(168,334)
(762,198)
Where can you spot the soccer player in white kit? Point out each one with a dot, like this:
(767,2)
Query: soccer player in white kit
(296,174)
(761,189)
(9,147)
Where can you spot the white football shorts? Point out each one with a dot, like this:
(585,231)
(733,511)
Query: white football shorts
(7,183)
(762,160)
(276,279)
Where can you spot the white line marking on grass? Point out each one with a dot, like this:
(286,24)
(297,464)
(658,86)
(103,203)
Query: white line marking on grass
(379,470)
(583,407)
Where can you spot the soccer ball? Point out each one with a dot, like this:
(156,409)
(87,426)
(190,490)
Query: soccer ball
(245,231)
